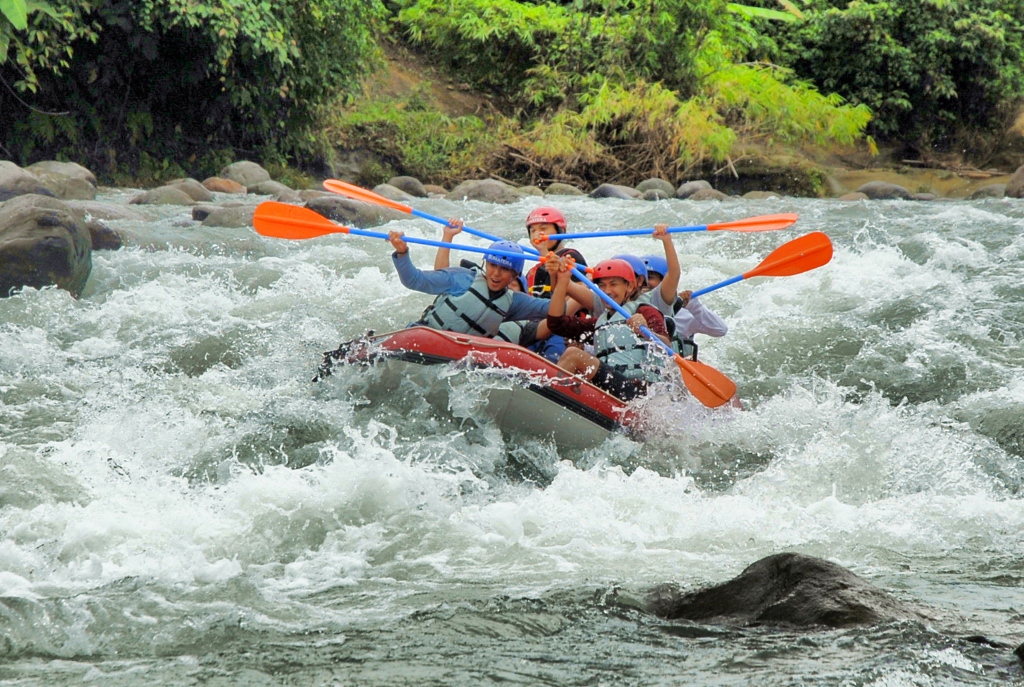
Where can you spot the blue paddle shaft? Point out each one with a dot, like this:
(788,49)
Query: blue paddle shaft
(443,244)
(626,232)
(715,287)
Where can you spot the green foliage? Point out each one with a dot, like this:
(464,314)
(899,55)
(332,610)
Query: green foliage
(176,78)
(928,69)
(413,138)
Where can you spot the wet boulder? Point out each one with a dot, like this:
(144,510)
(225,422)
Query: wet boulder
(222,185)
(106,211)
(66,187)
(435,190)
(231,218)
(655,194)
(163,195)
(560,189)
(410,185)
(883,190)
(15,181)
(103,237)
(1015,186)
(854,195)
(72,170)
(656,184)
(989,191)
(485,190)
(193,189)
(279,191)
(690,187)
(530,190)
(615,191)
(353,212)
(760,195)
(393,193)
(784,589)
(707,194)
(246,173)
(42,243)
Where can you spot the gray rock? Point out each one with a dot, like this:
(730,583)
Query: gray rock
(614,191)
(530,191)
(65,187)
(707,194)
(222,185)
(353,212)
(854,195)
(560,189)
(67,169)
(690,187)
(163,195)
(193,189)
(924,196)
(788,589)
(760,195)
(883,190)
(233,218)
(245,173)
(106,211)
(655,184)
(485,190)
(990,191)
(309,194)
(201,212)
(393,193)
(410,185)
(268,188)
(434,189)
(42,243)
(656,194)
(14,181)
(103,237)
(1015,186)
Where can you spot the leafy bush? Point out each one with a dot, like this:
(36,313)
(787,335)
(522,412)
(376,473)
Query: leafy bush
(178,78)
(928,69)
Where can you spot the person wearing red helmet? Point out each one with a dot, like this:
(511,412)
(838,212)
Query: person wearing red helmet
(623,362)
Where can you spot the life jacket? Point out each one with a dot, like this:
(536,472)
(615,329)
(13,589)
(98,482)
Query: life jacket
(684,347)
(471,312)
(513,332)
(538,281)
(617,346)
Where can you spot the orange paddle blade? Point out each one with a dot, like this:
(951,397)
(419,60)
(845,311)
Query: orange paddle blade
(283,221)
(760,223)
(359,193)
(799,255)
(708,385)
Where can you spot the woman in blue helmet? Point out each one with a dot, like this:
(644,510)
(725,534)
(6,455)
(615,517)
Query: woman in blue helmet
(470,301)
(689,316)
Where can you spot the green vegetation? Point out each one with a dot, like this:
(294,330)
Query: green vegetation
(125,85)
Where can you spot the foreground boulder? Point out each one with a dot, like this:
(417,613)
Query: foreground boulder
(1015,186)
(485,190)
(353,212)
(42,243)
(15,181)
(883,190)
(65,187)
(103,237)
(787,589)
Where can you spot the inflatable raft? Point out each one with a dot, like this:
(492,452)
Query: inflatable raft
(546,403)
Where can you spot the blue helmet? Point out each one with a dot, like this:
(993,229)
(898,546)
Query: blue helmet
(638,265)
(514,264)
(656,264)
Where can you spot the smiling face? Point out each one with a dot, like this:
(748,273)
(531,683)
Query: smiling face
(653,279)
(543,229)
(616,288)
(498,277)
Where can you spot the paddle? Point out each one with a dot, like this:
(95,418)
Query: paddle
(748,225)
(795,257)
(284,221)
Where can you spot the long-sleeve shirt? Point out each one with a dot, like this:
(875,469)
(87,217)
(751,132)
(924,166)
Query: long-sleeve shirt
(456,281)
(577,328)
(696,319)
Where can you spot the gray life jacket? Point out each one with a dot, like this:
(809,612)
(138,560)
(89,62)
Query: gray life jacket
(617,346)
(471,312)
(520,332)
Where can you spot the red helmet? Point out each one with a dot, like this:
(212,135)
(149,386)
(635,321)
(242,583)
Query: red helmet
(614,268)
(547,215)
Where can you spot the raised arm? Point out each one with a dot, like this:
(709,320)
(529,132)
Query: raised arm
(670,283)
(442,258)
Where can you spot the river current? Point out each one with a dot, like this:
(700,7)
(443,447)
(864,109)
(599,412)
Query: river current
(180,504)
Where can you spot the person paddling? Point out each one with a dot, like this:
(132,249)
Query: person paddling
(469,301)
(690,317)
(623,362)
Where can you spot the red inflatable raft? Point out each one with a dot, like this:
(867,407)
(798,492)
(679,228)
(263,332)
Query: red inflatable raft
(548,403)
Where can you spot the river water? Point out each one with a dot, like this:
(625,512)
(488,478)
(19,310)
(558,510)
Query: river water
(180,504)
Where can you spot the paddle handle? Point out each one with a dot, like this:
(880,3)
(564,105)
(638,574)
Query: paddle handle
(715,287)
(443,244)
(649,231)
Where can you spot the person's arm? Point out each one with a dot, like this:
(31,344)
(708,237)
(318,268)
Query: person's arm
(442,258)
(652,318)
(704,321)
(670,283)
(451,280)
